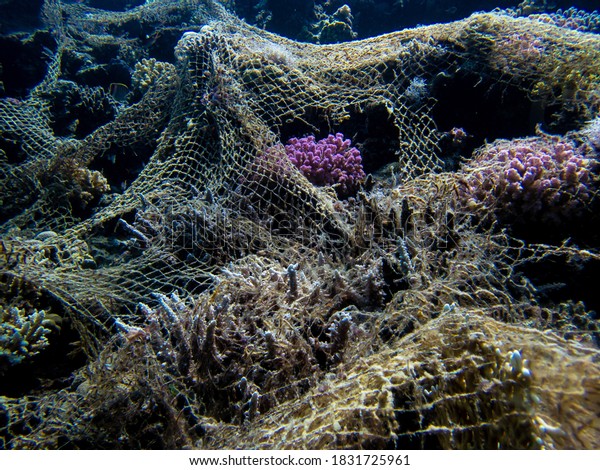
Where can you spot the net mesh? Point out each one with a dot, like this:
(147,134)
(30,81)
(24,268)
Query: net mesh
(216,293)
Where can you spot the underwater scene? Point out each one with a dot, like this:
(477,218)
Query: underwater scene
(299,224)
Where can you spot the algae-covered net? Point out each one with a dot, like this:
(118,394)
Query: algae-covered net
(213,293)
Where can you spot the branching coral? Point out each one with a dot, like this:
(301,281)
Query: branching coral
(541,180)
(23,335)
(329,161)
(148,72)
(80,185)
(572,18)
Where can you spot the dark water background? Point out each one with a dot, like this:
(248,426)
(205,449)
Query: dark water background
(289,17)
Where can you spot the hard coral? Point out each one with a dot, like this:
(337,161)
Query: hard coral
(329,161)
(23,335)
(572,18)
(538,180)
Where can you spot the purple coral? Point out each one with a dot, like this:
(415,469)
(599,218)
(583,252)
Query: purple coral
(329,161)
(546,180)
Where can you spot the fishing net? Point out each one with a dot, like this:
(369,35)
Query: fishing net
(212,291)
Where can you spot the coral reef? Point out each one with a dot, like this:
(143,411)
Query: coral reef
(331,29)
(23,335)
(572,18)
(147,72)
(221,293)
(331,161)
(537,180)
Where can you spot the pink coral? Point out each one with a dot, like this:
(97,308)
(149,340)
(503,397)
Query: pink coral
(543,179)
(329,161)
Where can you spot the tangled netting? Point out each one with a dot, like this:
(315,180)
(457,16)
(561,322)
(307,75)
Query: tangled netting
(189,286)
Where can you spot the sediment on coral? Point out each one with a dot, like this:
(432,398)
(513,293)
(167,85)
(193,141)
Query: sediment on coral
(221,293)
